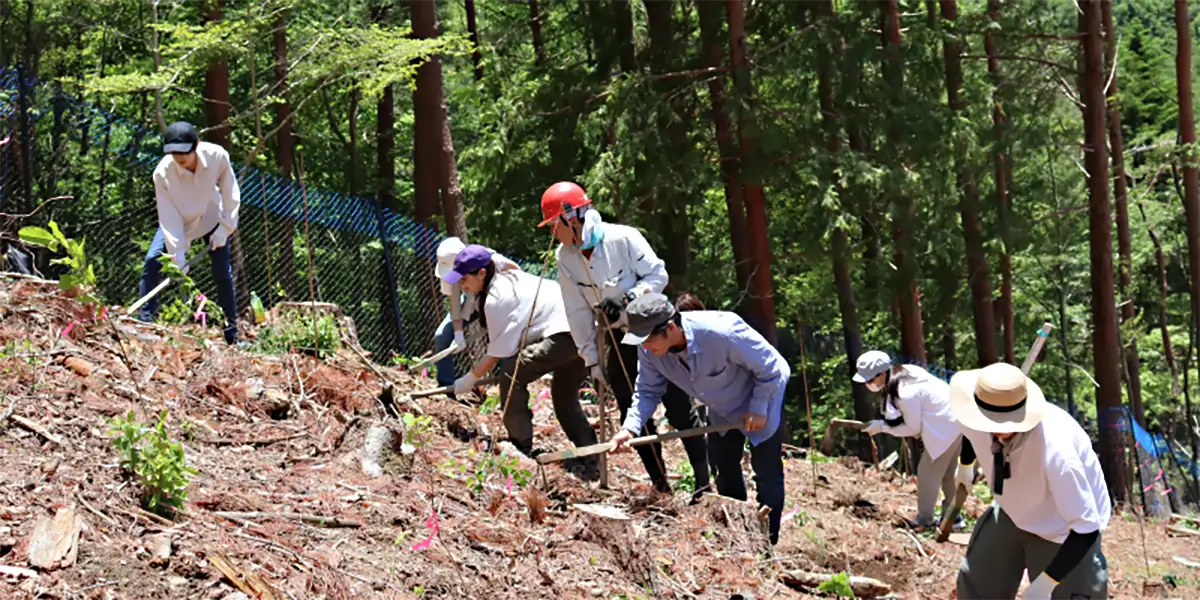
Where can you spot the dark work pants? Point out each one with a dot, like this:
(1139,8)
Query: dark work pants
(680,414)
(999,552)
(222,273)
(556,354)
(767,460)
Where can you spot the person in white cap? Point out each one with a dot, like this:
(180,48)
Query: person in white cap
(450,331)
(916,404)
(528,336)
(1051,499)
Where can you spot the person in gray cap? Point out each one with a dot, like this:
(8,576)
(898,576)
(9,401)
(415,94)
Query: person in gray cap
(197,197)
(916,404)
(729,367)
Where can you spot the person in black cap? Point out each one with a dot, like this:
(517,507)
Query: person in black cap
(720,361)
(197,196)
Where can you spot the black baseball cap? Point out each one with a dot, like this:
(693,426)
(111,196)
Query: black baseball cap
(644,314)
(180,137)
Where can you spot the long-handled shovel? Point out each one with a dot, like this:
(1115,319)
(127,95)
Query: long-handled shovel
(635,442)
(834,425)
(960,494)
(152,293)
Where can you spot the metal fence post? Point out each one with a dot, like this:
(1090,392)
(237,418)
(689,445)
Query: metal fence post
(24,137)
(387,263)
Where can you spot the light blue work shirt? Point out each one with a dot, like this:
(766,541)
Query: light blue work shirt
(731,369)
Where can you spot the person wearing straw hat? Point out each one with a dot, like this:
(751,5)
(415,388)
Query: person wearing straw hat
(916,404)
(715,357)
(450,331)
(528,336)
(605,266)
(197,197)
(1051,501)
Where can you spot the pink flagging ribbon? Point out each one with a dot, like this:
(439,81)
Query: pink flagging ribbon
(538,401)
(432,524)
(6,139)
(424,373)
(67,330)
(510,485)
(200,314)
(71,326)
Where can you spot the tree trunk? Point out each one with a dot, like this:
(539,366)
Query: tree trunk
(473,34)
(1191,185)
(1121,203)
(624,31)
(216,113)
(353,172)
(425,26)
(843,281)
(1106,347)
(672,192)
(385,196)
(977,261)
(912,336)
(999,128)
(729,159)
(285,155)
(535,26)
(426,128)
(756,211)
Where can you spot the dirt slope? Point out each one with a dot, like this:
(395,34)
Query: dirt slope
(283,434)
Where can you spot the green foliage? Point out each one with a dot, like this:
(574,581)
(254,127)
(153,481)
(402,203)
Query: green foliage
(416,428)
(502,467)
(687,477)
(157,461)
(838,585)
(80,278)
(181,303)
(490,404)
(300,331)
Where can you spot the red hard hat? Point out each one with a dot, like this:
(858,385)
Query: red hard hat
(561,197)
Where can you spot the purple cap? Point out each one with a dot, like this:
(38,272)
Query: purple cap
(469,259)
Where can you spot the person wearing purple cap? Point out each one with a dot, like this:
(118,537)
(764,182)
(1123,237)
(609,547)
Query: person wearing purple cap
(514,306)
(197,197)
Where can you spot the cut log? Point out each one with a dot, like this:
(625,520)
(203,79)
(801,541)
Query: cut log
(8,572)
(54,543)
(863,587)
(80,366)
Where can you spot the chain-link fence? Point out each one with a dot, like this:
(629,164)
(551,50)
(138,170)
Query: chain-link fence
(293,242)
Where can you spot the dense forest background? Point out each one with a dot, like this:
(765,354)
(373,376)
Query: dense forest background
(931,178)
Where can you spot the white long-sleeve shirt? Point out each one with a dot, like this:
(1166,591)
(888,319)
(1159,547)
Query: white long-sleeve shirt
(624,259)
(510,299)
(192,204)
(924,403)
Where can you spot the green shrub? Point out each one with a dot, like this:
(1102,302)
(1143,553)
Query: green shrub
(80,278)
(839,586)
(300,331)
(156,460)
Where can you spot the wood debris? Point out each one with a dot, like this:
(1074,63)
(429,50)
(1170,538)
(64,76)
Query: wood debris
(863,587)
(247,582)
(54,543)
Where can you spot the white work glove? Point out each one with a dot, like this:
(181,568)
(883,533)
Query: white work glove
(873,427)
(465,383)
(218,238)
(1041,588)
(460,341)
(598,376)
(965,476)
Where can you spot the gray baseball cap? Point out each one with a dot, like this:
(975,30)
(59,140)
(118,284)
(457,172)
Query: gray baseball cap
(645,313)
(870,364)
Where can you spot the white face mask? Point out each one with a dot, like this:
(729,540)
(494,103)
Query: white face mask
(875,386)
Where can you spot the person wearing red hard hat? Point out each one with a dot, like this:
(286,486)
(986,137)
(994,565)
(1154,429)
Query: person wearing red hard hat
(605,265)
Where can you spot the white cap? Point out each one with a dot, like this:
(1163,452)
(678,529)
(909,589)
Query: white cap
(870,364)
(446,252)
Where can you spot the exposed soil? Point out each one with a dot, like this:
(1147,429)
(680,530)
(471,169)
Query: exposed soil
(283,434)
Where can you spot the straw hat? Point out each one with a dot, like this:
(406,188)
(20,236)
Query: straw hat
(996,399)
